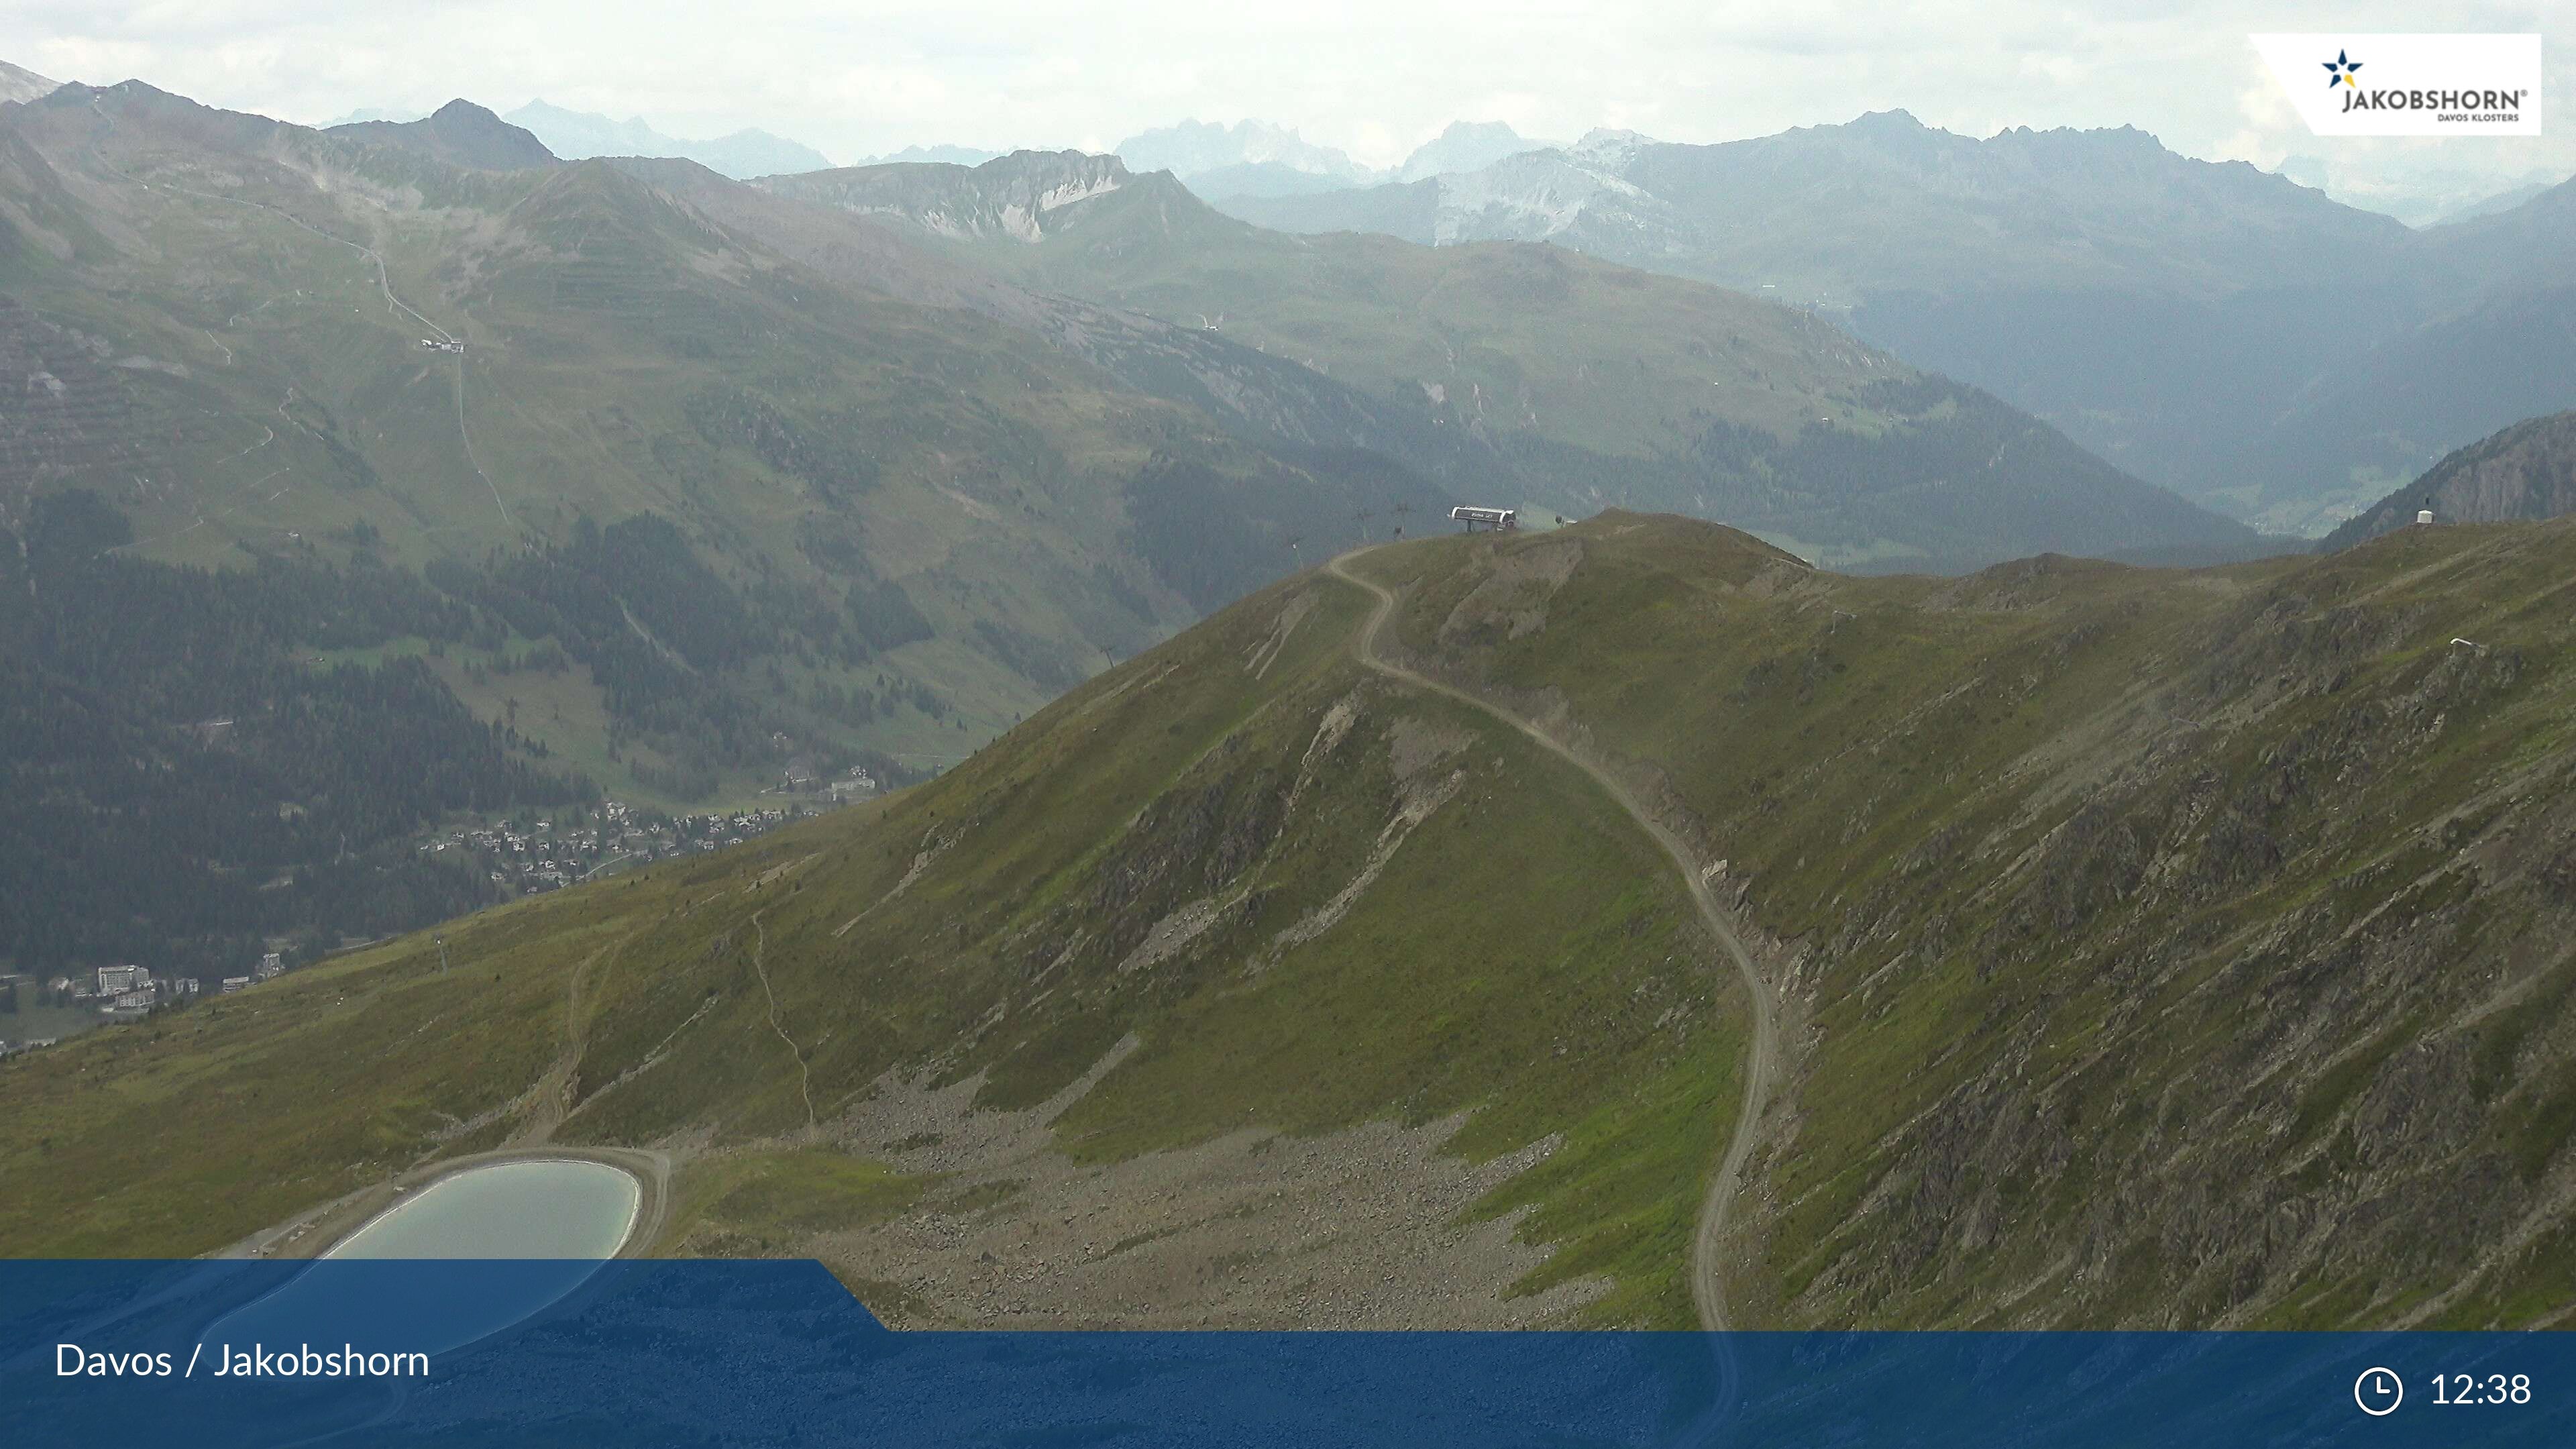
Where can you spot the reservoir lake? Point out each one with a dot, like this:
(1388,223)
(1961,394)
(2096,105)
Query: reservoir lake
(549,1208)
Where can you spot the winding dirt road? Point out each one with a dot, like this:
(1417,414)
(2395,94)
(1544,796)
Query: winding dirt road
(1708,1294)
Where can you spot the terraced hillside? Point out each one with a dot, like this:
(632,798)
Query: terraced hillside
(2150,947)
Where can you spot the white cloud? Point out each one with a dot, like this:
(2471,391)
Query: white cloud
(2055,70)
(1373,78)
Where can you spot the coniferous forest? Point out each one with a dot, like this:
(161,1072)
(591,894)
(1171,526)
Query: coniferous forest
(177,785)
(187,772)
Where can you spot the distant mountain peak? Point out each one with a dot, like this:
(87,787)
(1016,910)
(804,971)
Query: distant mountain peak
(943,155)
(462,112)
(2107,138)
(1010,196)
(1466,146)
(1195,148)
(459,133)
(20,84)
(1607,148)
(1082,168)
(397,114)
(741,154)
(2497,204)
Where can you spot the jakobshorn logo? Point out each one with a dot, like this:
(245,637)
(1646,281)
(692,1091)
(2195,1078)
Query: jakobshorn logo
(2418,85)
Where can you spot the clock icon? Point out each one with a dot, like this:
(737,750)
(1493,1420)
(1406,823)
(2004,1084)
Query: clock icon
(2379,1391)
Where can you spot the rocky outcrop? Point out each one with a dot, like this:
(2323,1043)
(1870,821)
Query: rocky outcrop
(2528,471)
(1014,197)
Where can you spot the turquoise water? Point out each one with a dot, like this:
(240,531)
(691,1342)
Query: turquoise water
(558,1220)
(545,1209)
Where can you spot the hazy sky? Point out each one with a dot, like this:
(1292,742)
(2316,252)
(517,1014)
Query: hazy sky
(1374,78)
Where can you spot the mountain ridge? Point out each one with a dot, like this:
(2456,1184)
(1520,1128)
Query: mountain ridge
(1678,396)
(2265,817)
(2525,472)
(1254,154)
(1465,146)
(555,274)
(20,84)
(2148,304)
(677,499)
(459,133)
(576,135)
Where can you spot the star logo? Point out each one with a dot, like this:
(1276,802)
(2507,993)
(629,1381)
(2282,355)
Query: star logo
(2339,71)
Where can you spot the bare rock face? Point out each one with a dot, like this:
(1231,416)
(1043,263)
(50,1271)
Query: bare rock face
(2528,471)
(1011,197)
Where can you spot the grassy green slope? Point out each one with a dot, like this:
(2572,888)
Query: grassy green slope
(2173,948)
(1516,337)
(2155,947)
(1521,956)
(1512,337)
(206,285)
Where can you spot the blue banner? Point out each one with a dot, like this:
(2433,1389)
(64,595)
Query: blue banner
(636,1355)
